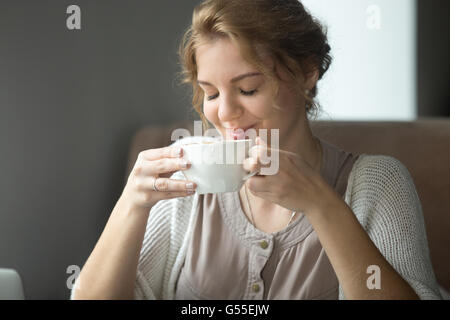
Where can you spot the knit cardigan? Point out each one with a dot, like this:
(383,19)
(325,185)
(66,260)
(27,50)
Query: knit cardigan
(380,192)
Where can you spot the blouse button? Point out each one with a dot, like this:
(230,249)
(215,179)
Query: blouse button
(264,244)
(255,287)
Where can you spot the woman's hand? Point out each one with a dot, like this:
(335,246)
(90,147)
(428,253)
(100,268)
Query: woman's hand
(153,167)
(295,186)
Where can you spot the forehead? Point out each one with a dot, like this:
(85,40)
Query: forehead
(220,58)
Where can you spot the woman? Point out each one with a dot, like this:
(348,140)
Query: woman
(329,224)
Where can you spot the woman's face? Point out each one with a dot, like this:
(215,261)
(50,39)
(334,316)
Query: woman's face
(237,95)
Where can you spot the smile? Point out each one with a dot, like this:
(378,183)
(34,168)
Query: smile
(243,129)
(238,133)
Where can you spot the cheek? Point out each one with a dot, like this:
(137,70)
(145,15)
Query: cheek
(263,109)
(210,110)
(260,107)
(287,98)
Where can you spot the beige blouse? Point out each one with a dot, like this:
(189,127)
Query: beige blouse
(228,258)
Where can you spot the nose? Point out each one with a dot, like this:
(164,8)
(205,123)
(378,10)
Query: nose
(229,108)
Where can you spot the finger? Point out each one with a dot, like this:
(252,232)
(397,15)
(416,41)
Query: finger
(161,166)
(254,151)
(159,153)
(264,156)
(165,185)
(173,185)
(251,165)
(262,153)
(260,142)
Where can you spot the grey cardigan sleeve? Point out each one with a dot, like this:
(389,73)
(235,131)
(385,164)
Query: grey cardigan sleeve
(382,195)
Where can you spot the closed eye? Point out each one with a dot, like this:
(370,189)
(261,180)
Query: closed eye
(243,92)
(248,93)
(212,97)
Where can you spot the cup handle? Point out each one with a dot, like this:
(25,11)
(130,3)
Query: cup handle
(249,175)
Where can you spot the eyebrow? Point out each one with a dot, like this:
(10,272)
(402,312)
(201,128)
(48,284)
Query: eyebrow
(235,79)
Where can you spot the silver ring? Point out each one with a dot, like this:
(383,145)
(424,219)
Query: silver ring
(154,185)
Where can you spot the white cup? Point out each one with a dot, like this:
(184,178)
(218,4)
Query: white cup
(217,166)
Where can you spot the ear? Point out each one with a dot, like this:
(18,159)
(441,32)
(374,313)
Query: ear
(311,79)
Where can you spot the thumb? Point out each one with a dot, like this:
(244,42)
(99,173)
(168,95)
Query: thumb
(260,142)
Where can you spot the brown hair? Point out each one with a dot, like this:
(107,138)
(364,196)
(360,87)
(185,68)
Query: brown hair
(281,28)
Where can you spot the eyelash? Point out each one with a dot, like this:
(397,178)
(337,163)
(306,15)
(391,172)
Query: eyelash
(245,93)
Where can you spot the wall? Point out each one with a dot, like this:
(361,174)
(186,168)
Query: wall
(373,75)
(433,65)
(69,104)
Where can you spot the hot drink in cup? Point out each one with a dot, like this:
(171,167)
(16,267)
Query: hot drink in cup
(217,166)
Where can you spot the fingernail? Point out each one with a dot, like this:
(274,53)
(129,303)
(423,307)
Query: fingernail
(184,163)
(177,152)
(190,186)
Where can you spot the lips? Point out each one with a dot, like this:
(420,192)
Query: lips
(243,129)
(238,133)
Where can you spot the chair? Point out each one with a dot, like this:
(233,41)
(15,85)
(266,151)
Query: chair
(423,146)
